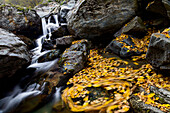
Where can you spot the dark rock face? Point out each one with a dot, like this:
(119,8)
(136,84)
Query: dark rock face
(20,21)
(60,32)
(161,7)
(53,54)
(64,41)
(74,58)
(167,6)
(118,48)
(158,54)
(135,27)
(13,54)
(96,18)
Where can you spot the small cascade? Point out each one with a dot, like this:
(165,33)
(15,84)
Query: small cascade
(44,26)
(13,99)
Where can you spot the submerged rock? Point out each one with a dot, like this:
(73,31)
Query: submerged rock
(21,21)
(96,18)
(13,54)
(158,54)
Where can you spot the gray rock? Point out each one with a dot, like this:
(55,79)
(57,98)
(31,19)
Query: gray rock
(117,48)
(135,27)
(60,32)
(13,54)
(49,56)
(158,54)
(163,94)
(45,9)
(96,18)
(20,21)
(64,41)
(141,107)
(75,57)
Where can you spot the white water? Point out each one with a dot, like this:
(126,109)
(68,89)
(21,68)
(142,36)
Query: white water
(13,99)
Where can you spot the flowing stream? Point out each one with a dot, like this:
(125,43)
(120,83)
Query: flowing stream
(18,94)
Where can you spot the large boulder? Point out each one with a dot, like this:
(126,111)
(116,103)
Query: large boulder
(158,54)
(13,54)
(97,18)
(20,20)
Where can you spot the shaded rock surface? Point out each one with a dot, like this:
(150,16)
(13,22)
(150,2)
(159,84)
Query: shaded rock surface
(20,21)
(96,18)
(118,47)
(161,7)
(49,56)
(158,54)
(13,53)
(167,6)
(64,41)
(135,27)
(75,57)
(60,32)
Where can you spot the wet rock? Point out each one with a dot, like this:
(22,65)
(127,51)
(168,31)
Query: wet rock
(119,48)
(135,27)
(16,103)
(64,41)
(55,78)
(46,8)
(75,57)
(167,6)
(48,45)
(159,7)
(163,94)
(13,54)
(26,40)
(96,18)
(141,107)
(60,32)
(49,56)
(158,54)
(21,21)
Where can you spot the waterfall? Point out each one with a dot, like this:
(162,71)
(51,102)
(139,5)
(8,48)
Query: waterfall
(43,26)
(13,99)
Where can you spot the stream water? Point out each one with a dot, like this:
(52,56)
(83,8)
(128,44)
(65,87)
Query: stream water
(19,94)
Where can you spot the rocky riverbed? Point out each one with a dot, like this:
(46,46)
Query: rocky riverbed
(85,56)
